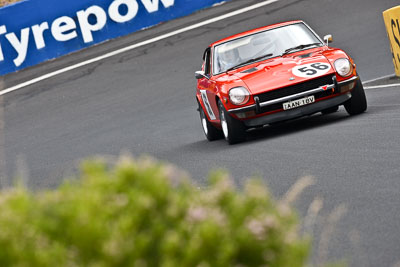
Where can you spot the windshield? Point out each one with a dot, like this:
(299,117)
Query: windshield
(270,43)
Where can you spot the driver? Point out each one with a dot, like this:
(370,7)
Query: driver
(229,59)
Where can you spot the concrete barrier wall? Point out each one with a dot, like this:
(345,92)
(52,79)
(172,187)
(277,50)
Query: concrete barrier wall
(34,31)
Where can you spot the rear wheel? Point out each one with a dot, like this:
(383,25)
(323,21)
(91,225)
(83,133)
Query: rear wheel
(234,130)
(358,102)
(209,130)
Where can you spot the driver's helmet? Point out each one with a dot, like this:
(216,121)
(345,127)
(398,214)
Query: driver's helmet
(229,58)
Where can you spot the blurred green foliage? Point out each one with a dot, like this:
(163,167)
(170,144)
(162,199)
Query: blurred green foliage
(146,213)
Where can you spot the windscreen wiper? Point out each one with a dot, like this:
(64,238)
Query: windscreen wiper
(249,61)
(302,46)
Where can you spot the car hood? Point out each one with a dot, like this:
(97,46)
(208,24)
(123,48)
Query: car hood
(280,72)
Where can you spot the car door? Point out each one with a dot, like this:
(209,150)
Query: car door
(207,87)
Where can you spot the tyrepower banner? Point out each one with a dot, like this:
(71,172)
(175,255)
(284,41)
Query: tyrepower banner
(34,31)
(392,23)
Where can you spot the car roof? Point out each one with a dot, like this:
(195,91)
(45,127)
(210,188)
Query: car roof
(269,27)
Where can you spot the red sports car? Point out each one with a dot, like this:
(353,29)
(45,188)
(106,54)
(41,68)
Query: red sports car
(271,74)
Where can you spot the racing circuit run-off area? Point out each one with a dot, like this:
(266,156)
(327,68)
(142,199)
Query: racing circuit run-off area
(301,94)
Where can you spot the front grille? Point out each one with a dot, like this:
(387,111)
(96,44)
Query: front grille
(295,89)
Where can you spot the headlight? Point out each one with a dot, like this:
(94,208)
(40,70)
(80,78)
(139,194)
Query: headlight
(239,95)
(343,67)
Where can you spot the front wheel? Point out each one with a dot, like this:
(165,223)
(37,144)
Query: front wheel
(358,102)
(234,130)
(209,130)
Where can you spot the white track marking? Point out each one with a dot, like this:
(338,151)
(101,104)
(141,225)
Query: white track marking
(381,86)
(131,47)
(379,78)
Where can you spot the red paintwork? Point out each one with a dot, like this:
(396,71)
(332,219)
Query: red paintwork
(272,73)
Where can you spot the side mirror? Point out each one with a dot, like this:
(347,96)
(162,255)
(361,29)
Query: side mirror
(328,39)
(200,74)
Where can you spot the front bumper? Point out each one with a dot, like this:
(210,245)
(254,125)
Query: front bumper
(298,112)
(335,88)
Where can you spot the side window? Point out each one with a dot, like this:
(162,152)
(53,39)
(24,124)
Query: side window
(207,67)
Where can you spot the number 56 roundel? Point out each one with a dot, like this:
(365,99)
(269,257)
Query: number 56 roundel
(311,70)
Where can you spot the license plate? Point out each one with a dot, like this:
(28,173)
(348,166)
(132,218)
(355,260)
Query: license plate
(298,102)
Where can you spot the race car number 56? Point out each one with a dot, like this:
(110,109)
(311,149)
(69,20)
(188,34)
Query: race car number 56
(311,70)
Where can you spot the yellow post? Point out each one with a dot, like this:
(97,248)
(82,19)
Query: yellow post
(392,22)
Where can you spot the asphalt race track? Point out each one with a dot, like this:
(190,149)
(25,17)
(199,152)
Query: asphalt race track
(143,101)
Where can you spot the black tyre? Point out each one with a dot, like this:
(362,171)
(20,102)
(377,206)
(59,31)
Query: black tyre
(358,102)
(330,110)
(209,130)
(233,130)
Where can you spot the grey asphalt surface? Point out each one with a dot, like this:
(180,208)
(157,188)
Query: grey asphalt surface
(143,101)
